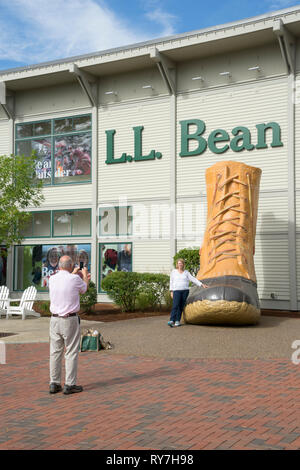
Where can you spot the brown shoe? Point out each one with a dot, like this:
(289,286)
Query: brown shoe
(226,259)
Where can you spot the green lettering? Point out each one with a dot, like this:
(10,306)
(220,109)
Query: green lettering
(138,153)
(110,152)
(186,137)
(261,135)
(242,135)
(219,135)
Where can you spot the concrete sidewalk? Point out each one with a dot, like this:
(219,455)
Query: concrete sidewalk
(150,336)
(31,330)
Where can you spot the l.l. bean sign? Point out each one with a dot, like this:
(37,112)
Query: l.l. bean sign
(192,130)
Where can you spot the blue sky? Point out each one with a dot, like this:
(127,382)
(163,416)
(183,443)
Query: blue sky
(34,31)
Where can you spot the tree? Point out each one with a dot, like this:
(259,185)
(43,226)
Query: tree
(191,258)
(18,189)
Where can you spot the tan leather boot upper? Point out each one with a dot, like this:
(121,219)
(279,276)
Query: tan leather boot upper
(232,203)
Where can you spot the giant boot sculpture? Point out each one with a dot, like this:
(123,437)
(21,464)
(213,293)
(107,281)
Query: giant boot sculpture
(226,256)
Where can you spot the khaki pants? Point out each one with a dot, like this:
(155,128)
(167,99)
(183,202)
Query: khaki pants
(64,333)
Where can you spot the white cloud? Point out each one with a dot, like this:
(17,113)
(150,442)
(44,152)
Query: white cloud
(280,4)
(34,31)
(164,19)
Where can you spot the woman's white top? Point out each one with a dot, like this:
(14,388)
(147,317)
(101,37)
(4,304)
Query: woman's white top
(180,281)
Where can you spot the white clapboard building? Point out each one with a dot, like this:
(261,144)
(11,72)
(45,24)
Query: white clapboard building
(123,138)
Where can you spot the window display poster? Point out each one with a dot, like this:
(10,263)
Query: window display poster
(42,149)
(115,257)
(36,263)
(73,156)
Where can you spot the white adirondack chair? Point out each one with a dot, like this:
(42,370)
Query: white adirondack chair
(4,294)
(25,306)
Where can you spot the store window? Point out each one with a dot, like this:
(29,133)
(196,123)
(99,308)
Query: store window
(34,264)
(115,221)
(62,147)
(72,223)
(114,257)
(39,225)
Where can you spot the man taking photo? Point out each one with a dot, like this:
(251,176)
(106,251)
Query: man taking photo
(65,288)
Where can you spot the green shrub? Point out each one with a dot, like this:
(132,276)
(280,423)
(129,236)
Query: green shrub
(145,301)
(123,288)
(45,306)
(42,307)
(191,258)
(133,291)
(155,286)
(168,301)
(89,298)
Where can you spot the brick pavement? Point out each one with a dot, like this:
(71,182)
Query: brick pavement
(150,403)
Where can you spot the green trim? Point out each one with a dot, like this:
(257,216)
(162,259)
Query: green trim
(71,210)
(64,134)
(100,261)
(20,139)
(117,234)
(71,182)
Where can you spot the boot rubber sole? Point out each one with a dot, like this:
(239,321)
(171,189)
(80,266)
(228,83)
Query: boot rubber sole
(218,312)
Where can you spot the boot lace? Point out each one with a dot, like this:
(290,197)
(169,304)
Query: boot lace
(230,201)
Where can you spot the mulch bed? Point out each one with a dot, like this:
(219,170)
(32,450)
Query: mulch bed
(110,312)
(280,313)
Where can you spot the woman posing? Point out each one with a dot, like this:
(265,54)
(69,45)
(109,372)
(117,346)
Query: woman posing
(179,287)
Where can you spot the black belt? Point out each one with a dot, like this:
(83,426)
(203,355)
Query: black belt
(65,316)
